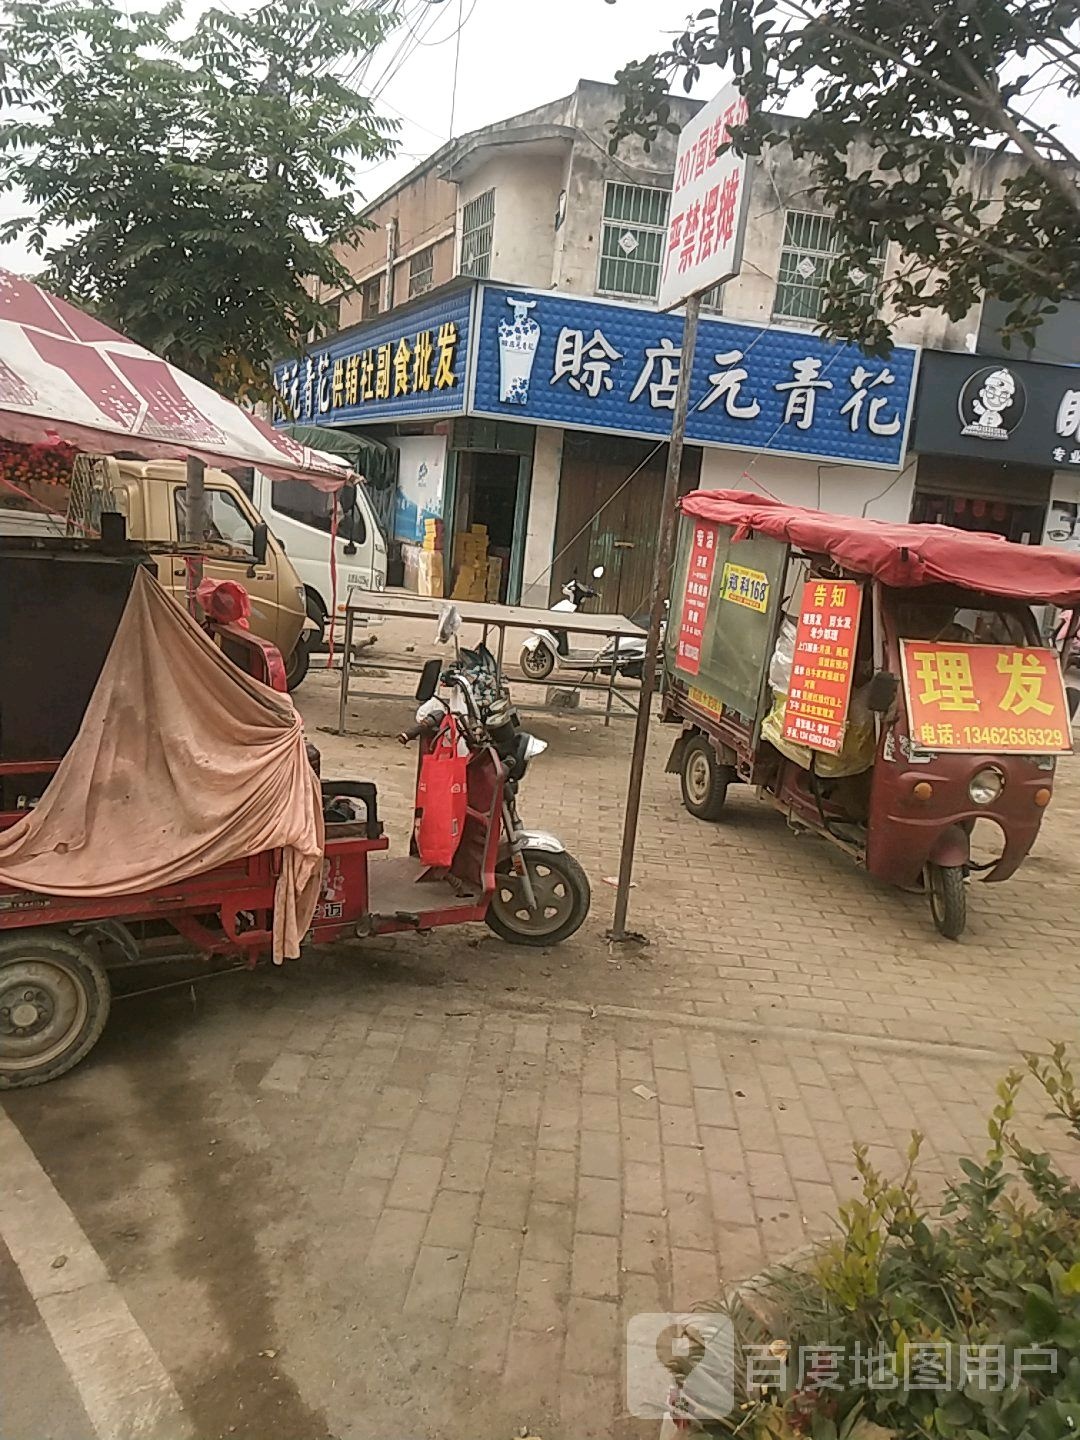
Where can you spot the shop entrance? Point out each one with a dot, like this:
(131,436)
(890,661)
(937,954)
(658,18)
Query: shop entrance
(998,499)
(491,465)
(606,519)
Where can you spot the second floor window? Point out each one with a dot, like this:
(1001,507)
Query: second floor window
(333,318)
(807,258)
(632,241)
(421,270)
(371,296)
(477,232)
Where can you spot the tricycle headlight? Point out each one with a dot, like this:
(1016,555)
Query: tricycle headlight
(986,786)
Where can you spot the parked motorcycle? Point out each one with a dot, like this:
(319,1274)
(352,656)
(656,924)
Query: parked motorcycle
(542,894)
(545,651)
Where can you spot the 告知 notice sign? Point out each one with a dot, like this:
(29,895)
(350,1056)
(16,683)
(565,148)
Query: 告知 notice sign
(823,664)
(699,574)
(1004,698)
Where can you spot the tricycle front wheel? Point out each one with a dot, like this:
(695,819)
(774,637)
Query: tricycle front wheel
(562,893)
(946,888)
(54,1001)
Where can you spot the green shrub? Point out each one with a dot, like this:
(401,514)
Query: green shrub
(978,1298)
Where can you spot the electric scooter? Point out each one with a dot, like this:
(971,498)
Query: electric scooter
(545,651)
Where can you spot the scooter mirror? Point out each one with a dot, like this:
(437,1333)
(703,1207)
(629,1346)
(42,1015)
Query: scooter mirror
(429,679)
(598,572)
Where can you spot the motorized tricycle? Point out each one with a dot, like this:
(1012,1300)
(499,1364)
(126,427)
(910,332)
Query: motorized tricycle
(883,686)
(56,951)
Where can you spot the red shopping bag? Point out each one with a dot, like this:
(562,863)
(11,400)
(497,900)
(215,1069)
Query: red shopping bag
(441,796)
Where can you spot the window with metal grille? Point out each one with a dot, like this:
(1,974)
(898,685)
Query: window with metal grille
(713,299)
(632,240)
(421,270)
(371,296)
(807,258)
(477,230)
(333,317)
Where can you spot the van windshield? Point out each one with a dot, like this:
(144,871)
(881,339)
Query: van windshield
(307,506)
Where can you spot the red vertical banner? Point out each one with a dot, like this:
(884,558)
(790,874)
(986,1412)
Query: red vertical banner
(823,664)
(699,574)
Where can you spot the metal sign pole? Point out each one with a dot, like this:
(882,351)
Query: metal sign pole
(194,525)
(660,583)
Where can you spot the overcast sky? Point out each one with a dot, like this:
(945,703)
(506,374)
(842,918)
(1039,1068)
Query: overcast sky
(512,55)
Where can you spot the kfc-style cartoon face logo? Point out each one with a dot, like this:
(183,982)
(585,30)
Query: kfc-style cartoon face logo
(991,403)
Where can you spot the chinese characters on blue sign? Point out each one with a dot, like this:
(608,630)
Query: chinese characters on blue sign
(554,359)
(400,367)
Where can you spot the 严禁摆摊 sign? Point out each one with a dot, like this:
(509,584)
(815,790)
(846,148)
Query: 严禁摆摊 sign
(704,239)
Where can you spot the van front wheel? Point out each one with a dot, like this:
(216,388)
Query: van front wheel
(296,667)
(317,615)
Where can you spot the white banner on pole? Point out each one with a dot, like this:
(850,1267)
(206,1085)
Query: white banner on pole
(708,204)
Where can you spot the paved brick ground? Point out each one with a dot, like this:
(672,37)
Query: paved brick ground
(417,1187)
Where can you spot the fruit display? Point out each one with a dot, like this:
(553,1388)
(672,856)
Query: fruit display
(35,473)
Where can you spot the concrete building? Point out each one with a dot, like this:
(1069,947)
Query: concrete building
(535,210)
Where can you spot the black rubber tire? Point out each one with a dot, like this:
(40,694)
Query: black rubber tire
(703,798)
(296,667)
(579,897)
(85,975)
(946,889)
(536,664)
(317,615)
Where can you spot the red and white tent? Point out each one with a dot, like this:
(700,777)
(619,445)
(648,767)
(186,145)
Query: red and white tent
(65,376)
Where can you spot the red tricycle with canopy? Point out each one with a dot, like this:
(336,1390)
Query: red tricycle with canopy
(883,686)
(155,783)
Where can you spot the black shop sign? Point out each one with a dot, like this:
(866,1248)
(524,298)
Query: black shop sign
(985,407)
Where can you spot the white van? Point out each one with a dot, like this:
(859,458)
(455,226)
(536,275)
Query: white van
(300,516)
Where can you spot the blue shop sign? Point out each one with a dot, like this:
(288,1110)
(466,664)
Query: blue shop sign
(553,359)
(398,368)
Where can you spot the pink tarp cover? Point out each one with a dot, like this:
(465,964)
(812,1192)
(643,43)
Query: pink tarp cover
(65,376)
(901,555)
(182,763)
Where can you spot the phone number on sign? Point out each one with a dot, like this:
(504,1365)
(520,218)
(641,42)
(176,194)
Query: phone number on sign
(1011,735)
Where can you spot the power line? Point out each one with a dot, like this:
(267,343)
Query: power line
(457,57)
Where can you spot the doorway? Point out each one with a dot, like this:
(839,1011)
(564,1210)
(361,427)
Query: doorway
(996,497)
(491,500)
(606,518)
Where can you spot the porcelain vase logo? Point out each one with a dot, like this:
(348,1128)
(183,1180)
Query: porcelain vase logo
(518,339)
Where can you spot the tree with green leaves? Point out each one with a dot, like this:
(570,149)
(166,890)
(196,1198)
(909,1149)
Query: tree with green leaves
(920,83)
(186,182)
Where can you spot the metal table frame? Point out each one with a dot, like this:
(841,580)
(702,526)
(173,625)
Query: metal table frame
(500,618)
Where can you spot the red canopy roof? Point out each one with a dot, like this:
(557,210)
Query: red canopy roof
(65,376)
(904,556)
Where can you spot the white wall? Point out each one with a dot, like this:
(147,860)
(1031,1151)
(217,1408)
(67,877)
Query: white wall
(840,489)
(543,510)
(1063,512)
(526,196)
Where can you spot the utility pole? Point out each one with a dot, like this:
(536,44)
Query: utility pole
(660,583)
(194,525)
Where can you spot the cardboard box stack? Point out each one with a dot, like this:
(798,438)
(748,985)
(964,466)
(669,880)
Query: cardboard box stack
(470,551)
(494,577)
(433,535)
(430,573)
